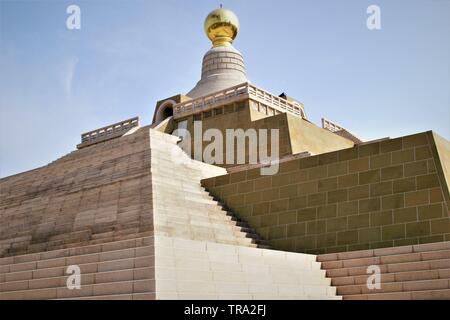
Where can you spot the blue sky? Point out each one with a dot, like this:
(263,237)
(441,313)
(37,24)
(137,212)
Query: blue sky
(56,83)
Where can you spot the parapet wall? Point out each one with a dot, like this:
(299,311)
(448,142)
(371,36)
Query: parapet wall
(381,194)
(296,134)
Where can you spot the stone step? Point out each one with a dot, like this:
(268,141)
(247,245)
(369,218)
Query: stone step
(203,226)
(393,277)
(187,194)
(236,263)
(436,246)
(391,268)
(113,288)
(224,238)
(225,287)
(64,243)
(85,279)
(81,250)
(245,275)
(234,296)
(167,218)
(192,209)
(389,259)
(123,254)
(173,180)
(134,296)
(223,249)
(440,294)
(395,287)
(112,265)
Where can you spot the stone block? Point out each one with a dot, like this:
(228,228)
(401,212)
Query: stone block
(336,224)
(381,188)
(405,215)
(357,165)
(327,184)
(368,205)
(307,187)
(337,169)
(317,199)
(391,145)
(402,156)
(359,192)
(245,187)
(366,235)
(347,237)
(278,205)
(422,152)
(394,172)
(415,140)
(287,217)
(415,229)
(369,149)
(416,198)
(381,218)
(347,181)
(427,181)
(380,161)
(290,191)
(306,214)
(269,220)
(370,176)
(298,203)
(431,211)
(393,201)
(328,211)
(395,231)
(439,226)
(404,185)
(358,221)
(416,168)
(337,196)
(315,227)
(348,208)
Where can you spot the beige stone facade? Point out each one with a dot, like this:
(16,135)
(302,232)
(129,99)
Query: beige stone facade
(142,219)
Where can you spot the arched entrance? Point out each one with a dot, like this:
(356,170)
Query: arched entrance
(165,111)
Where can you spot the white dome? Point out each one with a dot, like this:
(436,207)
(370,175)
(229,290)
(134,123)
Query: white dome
(222,67)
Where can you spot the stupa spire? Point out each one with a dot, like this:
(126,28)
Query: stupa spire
(221,27)
(223,66)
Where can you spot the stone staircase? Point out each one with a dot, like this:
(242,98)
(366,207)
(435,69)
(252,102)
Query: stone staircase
(192,269)
(196,248)
(115,270)
(204,251)
(418,272)
(245,227)
(181,206)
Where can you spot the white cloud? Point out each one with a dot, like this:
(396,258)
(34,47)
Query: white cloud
(68,76)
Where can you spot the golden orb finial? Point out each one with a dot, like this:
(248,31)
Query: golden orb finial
(221,27)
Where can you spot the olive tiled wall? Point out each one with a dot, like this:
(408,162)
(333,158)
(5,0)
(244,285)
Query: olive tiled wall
(380,194)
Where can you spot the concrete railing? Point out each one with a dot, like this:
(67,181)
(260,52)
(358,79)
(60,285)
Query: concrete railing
(236,93)
(112,131)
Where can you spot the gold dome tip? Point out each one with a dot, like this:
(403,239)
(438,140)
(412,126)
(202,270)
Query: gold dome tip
(221,27)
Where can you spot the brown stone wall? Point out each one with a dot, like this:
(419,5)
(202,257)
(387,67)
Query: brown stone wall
(306,136)
(381,194)
(238,116)
(99,193)
(296,135)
